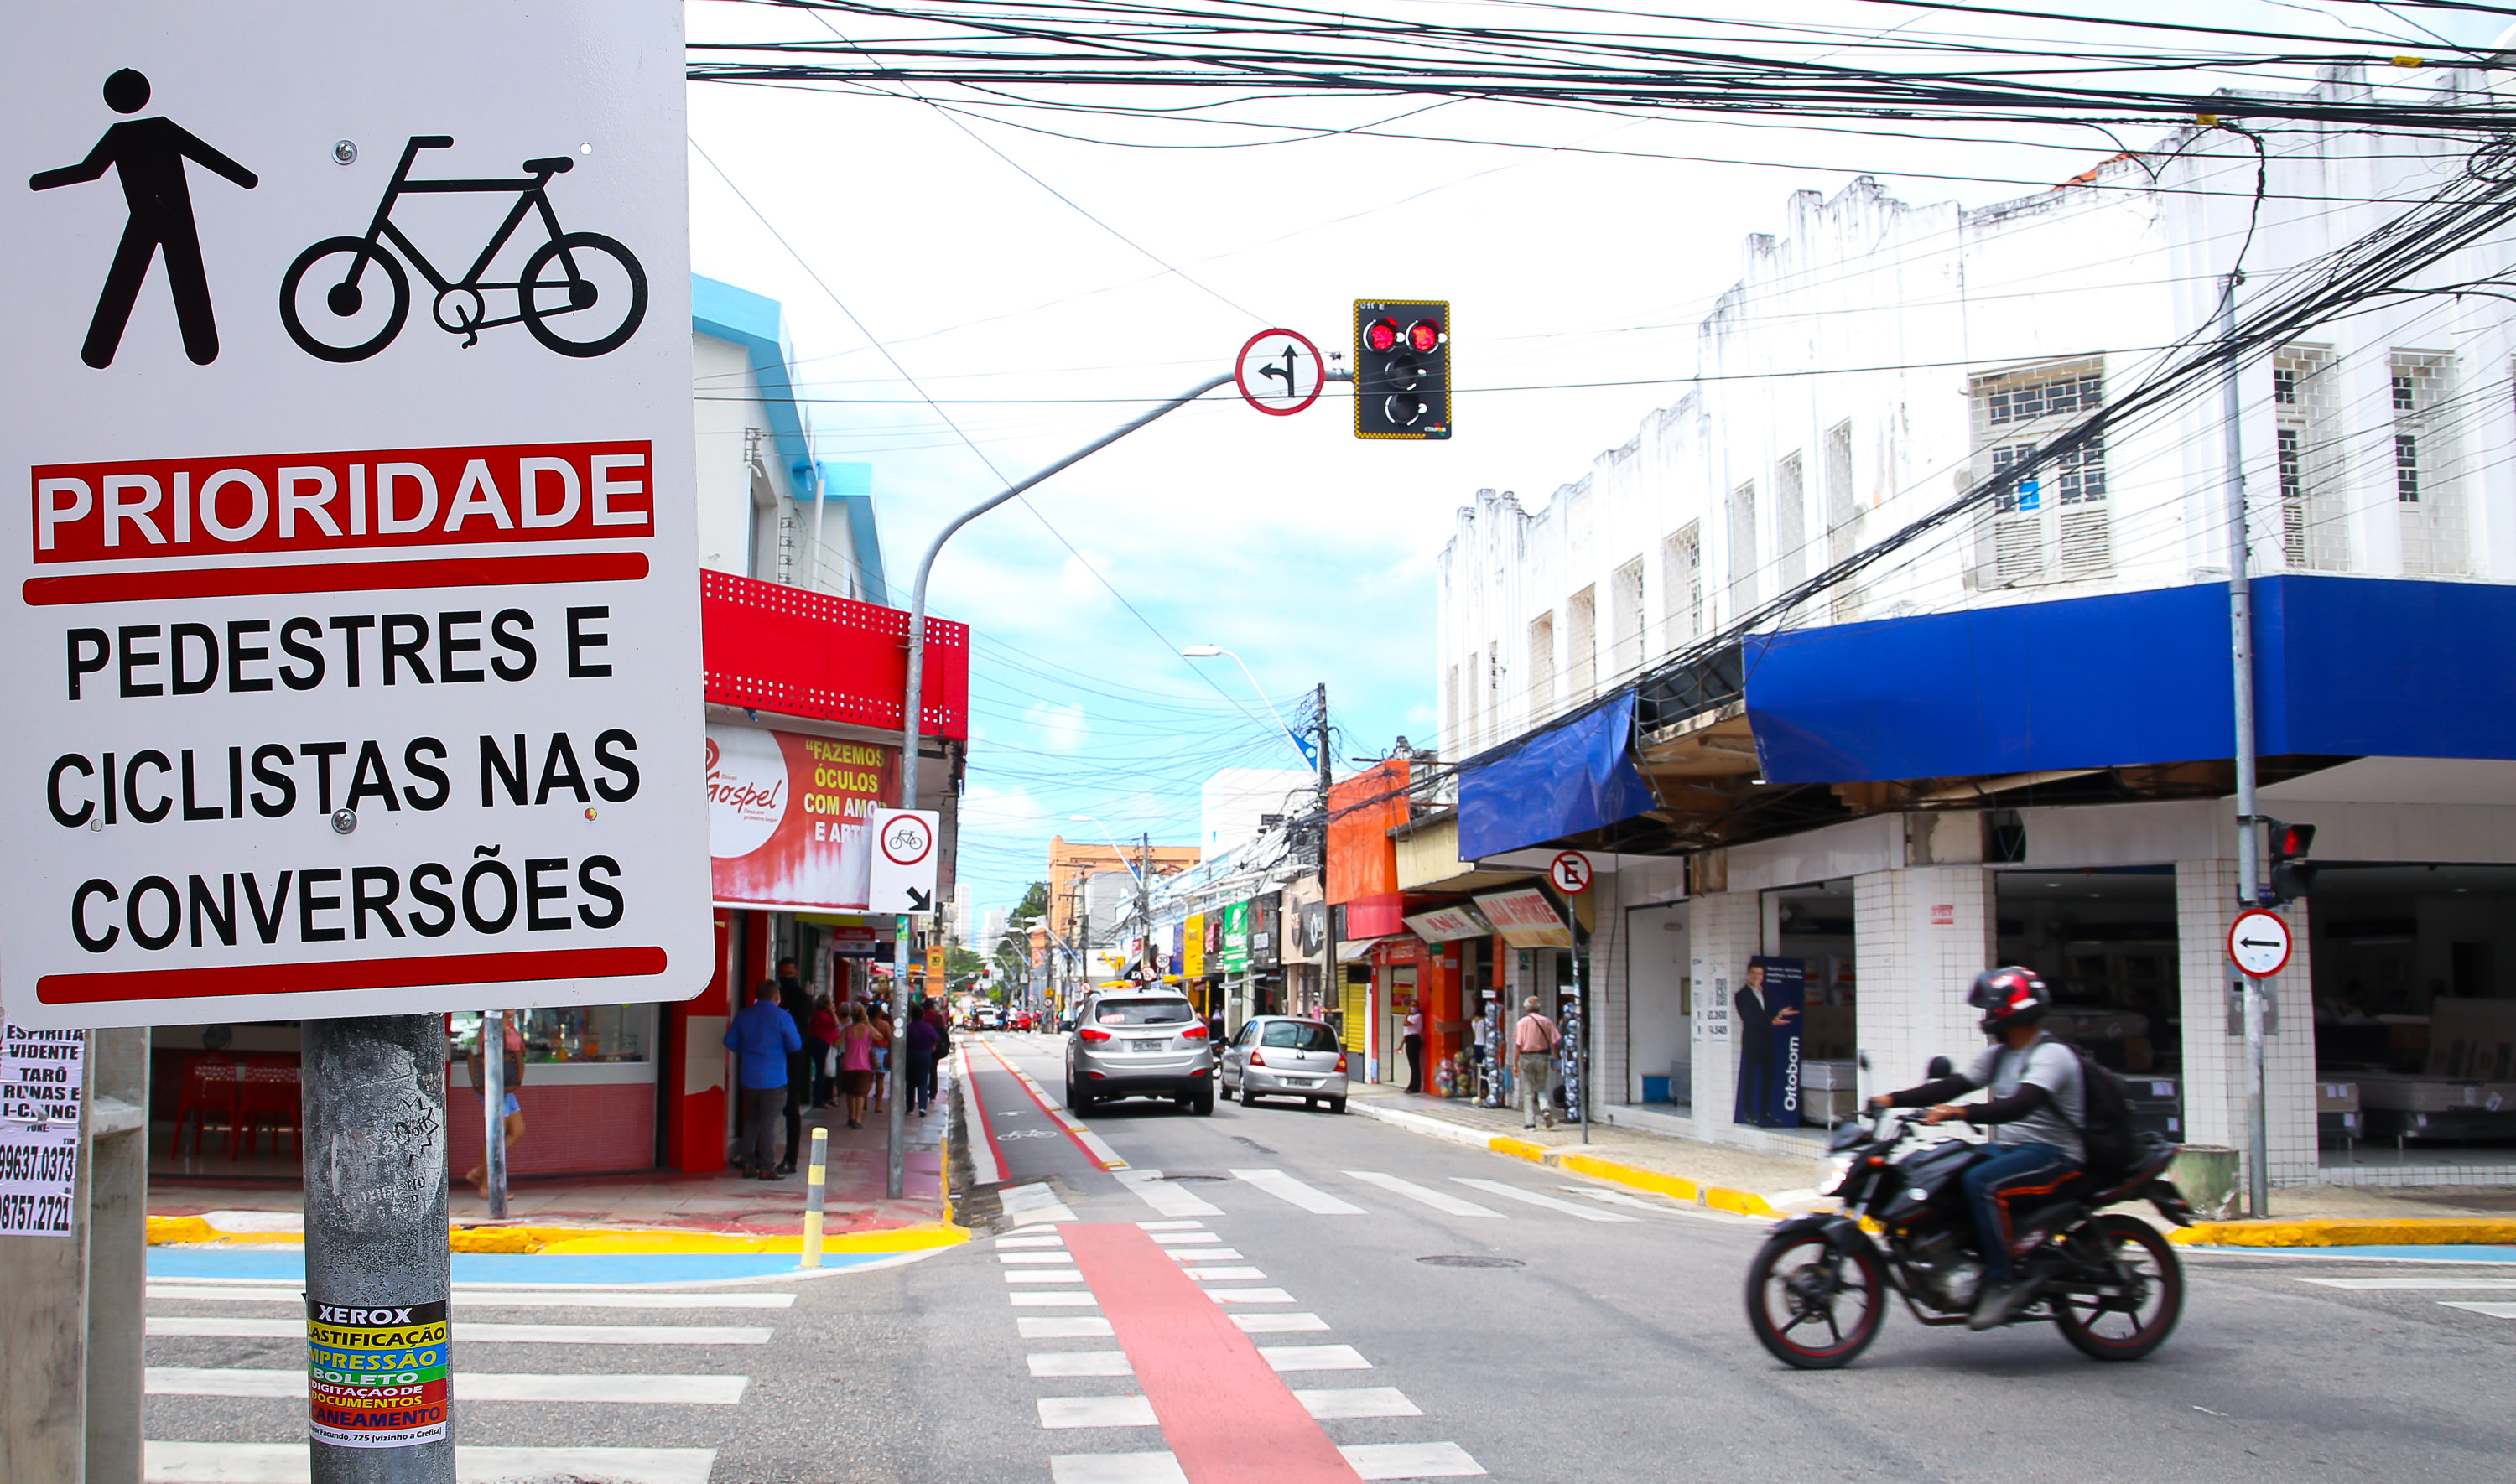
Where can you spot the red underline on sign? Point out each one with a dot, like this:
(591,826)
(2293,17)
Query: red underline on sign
(336,577)
(355,974)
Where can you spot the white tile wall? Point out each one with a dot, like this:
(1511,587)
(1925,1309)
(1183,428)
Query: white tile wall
(1725,931)
(1914,970)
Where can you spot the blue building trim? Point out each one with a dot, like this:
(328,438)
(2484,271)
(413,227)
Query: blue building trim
(852,485)
(2346,665)
(758,324)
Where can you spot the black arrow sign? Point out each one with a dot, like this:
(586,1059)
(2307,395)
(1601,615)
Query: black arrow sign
(2258,942)
(920,901)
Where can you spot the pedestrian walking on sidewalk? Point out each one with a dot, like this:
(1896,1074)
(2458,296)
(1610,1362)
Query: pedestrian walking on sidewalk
(1534,1039)
(799,1064)
(820,1044)
(924,1040)
(762,1038)
(1414,1038)
(513,1115)
(878,1020)
(855,1064)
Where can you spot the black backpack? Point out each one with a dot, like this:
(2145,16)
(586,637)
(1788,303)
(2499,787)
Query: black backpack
(2106,1117)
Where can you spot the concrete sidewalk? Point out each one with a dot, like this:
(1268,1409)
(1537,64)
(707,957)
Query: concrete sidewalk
(591,1213)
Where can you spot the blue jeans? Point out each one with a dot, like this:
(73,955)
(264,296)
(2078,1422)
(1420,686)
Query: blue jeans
(2015,1175)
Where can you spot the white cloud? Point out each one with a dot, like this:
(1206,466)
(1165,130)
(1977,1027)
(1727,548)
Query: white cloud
(1061,728)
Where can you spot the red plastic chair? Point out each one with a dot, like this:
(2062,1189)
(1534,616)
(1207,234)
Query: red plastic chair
(210,1086)
(266,1092)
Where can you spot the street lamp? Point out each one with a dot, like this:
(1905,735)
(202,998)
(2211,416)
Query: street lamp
(1112,836)
(1217,651)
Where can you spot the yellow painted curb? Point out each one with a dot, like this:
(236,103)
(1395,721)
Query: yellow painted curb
(1745,1203)
(1521,1147)
(2363,1231)
(1627,1174)
(582,1240)
(166,1230)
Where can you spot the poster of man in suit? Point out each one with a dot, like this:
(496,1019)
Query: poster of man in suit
(1767,1033)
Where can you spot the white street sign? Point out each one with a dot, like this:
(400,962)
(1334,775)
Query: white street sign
(2259,943)
(350,638)
(904,859)
(1570,871)
(1280,373)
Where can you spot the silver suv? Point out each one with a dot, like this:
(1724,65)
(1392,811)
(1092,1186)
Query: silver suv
(1139,1044)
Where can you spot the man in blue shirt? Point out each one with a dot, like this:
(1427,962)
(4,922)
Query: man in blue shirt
(762,1038)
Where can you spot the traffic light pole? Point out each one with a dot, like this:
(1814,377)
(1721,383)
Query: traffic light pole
(2240,627)
(1331,976)
(912,700)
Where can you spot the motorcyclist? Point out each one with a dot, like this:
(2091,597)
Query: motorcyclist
(2037,1106)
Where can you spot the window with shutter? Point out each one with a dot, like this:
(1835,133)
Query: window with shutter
(2052,522)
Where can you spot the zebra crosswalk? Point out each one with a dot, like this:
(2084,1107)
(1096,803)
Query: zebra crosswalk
(1269,1188)
(205,1351)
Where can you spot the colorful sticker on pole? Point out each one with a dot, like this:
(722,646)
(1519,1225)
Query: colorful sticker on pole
(376,1374)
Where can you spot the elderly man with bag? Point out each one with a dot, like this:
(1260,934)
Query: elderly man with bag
(1534,1036)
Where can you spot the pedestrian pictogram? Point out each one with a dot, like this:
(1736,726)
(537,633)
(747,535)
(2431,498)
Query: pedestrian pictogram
(2259,943)
(579,293)
(1570,871)
(149,155)
(1278,372)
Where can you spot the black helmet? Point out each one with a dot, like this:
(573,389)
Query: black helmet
(2008,997)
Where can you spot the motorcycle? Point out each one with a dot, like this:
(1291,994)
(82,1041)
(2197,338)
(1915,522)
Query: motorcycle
(2109,1281)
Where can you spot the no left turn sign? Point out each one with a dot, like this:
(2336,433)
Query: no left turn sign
(2259,943)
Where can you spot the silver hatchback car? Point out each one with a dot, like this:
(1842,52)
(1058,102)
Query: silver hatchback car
(1286,1056)
(1139,1044)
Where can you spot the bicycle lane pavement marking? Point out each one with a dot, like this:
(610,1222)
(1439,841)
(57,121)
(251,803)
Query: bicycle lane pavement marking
(1095,1148)
(1225,1413)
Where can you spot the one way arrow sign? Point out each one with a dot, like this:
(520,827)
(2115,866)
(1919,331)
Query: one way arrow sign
(2259,943)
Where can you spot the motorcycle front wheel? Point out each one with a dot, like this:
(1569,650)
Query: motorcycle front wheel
(1814,1305)
(2126,1325)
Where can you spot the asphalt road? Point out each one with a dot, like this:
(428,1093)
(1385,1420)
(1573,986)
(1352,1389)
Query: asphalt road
(1597,1335)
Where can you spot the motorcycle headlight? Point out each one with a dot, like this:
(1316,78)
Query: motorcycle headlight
(1839,1169)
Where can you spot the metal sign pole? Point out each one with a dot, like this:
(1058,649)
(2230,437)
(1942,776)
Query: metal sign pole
(493,1109)
(378,1272)
(2240,626)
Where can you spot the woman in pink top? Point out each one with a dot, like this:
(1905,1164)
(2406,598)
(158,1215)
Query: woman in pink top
(855,1064)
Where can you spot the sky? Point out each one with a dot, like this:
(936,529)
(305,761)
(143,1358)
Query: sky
(973,296)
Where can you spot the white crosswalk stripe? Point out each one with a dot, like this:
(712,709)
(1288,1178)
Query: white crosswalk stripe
(492,1299)
(1532,1198)
(1041,1259)
(2382,1285)
(1096,1411)
(1170,1200)
(1064,1328)
(1044,1275)
(2494,1310)
(168,1463)
(1439,1200)
(1054,1363)
(1356,1401)
(474,1387)
(1327,1357)
(1284,1187)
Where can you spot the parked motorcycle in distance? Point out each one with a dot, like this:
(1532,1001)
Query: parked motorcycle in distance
(1818,1290)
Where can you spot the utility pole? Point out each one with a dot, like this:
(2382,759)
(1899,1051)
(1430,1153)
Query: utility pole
(2240,625)
(1331,976)
(1145,898)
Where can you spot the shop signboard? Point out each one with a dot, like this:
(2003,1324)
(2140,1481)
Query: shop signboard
(1265,931)
(1526,919)
(789,817)
(1192,950)
(1770,1006)
(350,623)
(1449,924)
(855,943)
(1235,938)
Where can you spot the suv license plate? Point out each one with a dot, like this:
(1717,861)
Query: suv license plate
(1144,1046)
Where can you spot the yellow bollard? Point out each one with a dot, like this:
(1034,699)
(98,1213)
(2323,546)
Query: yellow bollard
(813,1186)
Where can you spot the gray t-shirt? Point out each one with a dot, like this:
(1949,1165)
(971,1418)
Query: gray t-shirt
(2052,1067)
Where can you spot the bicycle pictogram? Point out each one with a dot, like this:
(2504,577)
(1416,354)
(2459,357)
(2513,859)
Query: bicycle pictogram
(567,293)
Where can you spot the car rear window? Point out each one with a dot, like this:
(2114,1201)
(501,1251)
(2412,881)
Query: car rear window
(1301,1036)
(1144,1013)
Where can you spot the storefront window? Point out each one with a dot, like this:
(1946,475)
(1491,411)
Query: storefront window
(585,1033)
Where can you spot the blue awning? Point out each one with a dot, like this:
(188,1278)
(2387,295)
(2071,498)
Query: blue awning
(1564,781)
(2349,666)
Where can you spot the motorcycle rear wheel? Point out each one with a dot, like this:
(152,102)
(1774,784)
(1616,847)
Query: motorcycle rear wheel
(1800,1280)
(2103,1329)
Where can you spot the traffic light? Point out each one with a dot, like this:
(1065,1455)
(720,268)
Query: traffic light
(1402,368)
(2292,875)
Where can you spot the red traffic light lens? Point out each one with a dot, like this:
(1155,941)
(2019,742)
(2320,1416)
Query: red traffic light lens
(1424,335)
(1381,335)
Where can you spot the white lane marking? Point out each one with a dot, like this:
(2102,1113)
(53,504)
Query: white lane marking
(1170,1200)
(474,1387)
(1064,1328)
(1204,1254)
(1531,1197)
(1225,1274)
(1409,1460)
(2482,1285)
(1284,1187)
(287,1464)
(1278,1324)
(1618,1198)
(1059,1257)
(1331,1357)
(1439,1200)
(1050,1363)
(219,1328)
(2494,1310)
(984,1168)
(1032,1204)
(548,1300)
(1181,1238)
(1170,1226)
(1032,1239)
(1097,1412)
(1358,1401)
(1044,1275)
(1248,1295)
(1114,1468)
(1052,1298)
